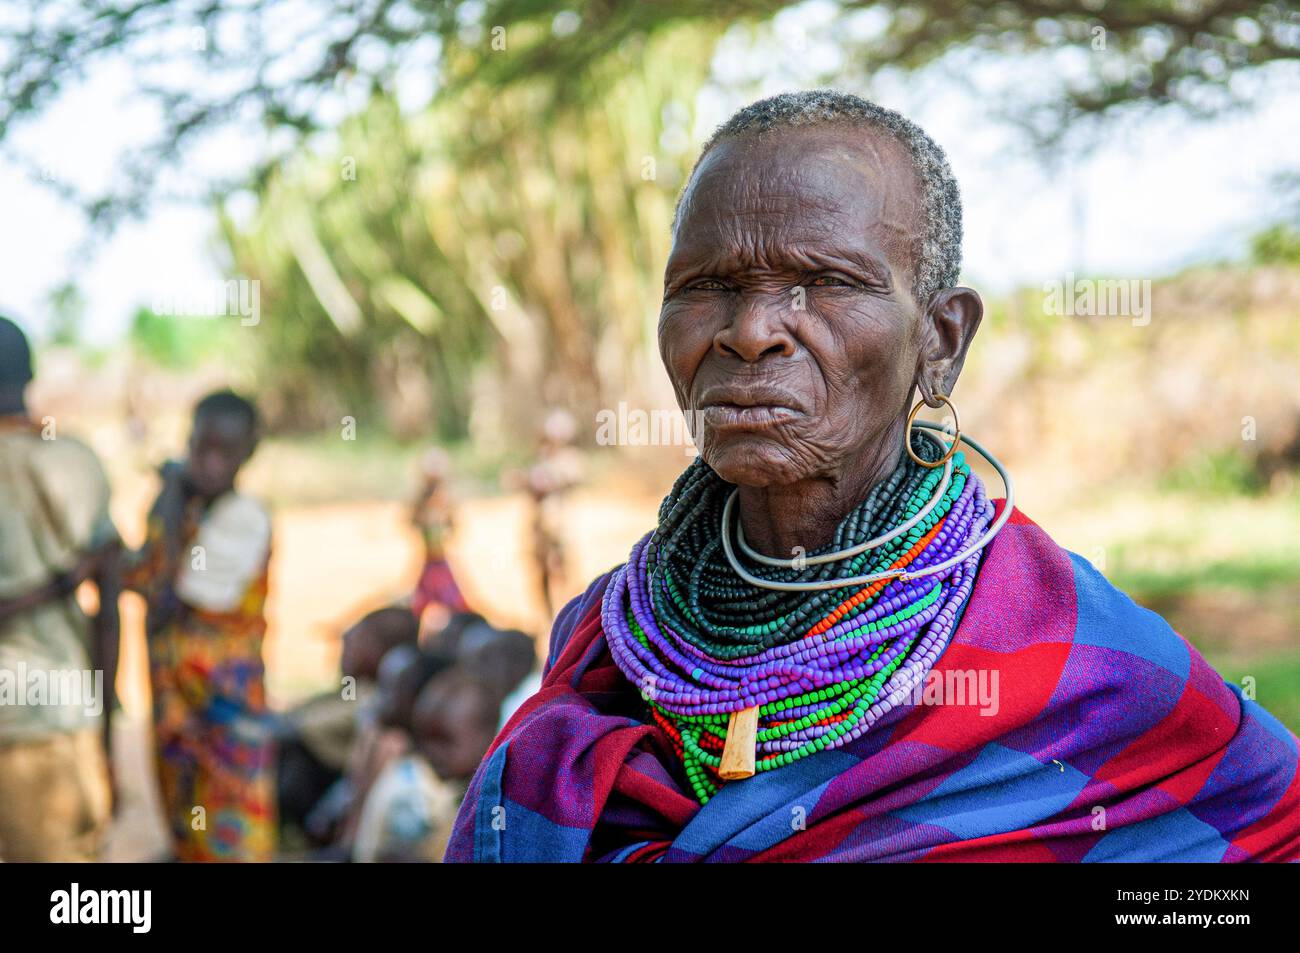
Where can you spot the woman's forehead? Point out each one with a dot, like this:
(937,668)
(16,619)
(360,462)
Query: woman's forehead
(842,186)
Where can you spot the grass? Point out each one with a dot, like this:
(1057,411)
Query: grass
(1224,569)
(1263,574)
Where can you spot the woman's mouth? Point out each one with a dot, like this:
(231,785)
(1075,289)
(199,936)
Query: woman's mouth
(726,416)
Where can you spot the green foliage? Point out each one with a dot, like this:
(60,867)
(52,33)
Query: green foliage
(1186,52)
(67,307)
(1251,575)
(178,342)
(426,274)
(1228,472)
(1278,245)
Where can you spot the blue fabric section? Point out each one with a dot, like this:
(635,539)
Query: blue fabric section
(1108,618)
(757,812)
(487,838)
(1177,836)
(1086,699)
(781,823)
(621,855)
(531,838)
(1001,790)
(507,832)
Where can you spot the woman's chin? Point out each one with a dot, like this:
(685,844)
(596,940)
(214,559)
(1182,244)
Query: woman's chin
(754,463)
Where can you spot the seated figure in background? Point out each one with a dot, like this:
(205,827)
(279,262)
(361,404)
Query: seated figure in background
(434,714)
(317,735)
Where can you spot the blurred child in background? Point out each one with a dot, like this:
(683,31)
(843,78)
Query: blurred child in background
(429,721)
(436,594)
(456,716)
(316,736)
(557,470)
(409,810)
(401,810)
(203,571)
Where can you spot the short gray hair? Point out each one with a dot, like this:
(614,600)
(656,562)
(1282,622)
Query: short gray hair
(938,251)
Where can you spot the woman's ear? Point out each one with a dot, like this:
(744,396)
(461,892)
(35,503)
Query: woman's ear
(951,320)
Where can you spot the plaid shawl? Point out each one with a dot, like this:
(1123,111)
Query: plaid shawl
(1111,739)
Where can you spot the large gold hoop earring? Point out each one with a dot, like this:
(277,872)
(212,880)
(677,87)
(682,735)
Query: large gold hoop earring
(956,438)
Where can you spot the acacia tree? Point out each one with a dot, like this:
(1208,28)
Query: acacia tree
(284,63)
(497,240)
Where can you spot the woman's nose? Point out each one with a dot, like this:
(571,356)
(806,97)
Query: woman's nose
(759,327)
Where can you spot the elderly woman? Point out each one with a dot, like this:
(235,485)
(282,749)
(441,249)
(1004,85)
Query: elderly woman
(836,645)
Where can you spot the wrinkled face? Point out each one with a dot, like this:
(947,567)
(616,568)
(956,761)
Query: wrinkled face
(220,444)
(788,326)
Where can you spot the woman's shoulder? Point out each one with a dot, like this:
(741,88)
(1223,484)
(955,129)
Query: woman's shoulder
(1069,598)
(1058,612)
(575,612)
(1065,597)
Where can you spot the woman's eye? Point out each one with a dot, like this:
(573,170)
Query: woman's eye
(707,284)
(830,281)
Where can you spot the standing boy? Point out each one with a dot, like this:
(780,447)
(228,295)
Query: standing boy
(203,570)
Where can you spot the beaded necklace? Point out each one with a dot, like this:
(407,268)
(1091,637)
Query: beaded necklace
(819,666)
